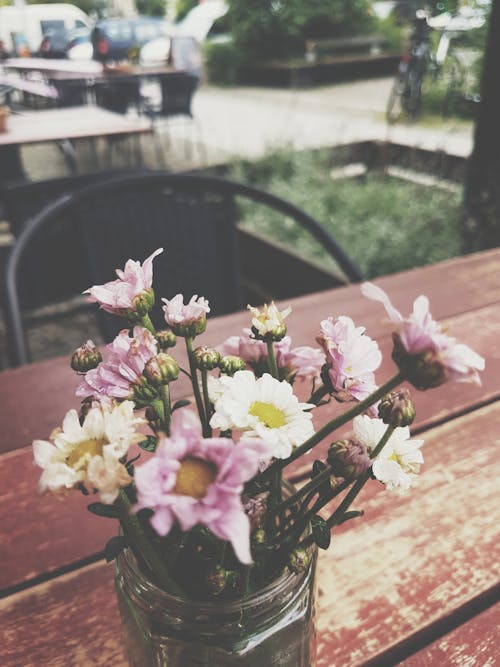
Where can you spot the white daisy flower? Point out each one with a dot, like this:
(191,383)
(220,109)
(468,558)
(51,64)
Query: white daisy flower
(89,453)
(399,461)
(264,408)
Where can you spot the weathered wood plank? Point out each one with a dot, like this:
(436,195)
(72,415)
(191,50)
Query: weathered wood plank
(473,644)
(34,397)
(415,558)
(78,535)
(412,560)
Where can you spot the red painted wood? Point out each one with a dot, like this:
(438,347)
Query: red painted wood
(412,560)
(473,644)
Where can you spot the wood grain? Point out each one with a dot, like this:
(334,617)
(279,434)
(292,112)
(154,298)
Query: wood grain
(411,560)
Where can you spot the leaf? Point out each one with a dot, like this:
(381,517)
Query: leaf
(349,515)
(114,547)
(180,404)
(149,444)
(320,532)
(100,509)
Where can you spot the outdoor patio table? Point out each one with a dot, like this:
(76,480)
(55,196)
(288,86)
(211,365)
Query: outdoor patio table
(416,581)
(63,125)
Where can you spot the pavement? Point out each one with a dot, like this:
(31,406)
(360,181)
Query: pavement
(250,122)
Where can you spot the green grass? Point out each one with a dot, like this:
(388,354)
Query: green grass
(385,224)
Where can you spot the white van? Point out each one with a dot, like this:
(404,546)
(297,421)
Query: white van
(29,24)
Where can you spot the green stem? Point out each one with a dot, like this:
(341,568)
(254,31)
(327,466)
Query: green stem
(334,424)
(147,324)
(337,516)
(140,542)
(167,408)
(310,486)
(271,359)
(206,399)
(196,387)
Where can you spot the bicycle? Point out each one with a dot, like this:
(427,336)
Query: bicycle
(406,93)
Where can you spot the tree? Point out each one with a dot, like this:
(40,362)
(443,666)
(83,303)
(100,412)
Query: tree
(151,7)
(481,220)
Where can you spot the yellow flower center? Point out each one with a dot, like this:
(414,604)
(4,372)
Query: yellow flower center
(194,477)
(393,457)
(84,451)
(268,414)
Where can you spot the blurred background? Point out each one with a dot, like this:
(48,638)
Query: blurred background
(378,118)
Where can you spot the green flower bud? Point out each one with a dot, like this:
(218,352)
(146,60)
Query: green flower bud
(206,358)
(86,357)
(259,537)
(397,408)
(142,392)
(161,369)
(166,339)
(298,560)
(423,370)
(142,303)
(230,364)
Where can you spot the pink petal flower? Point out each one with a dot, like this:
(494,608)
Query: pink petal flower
(169,483)
(118,295)
(125,359)
(189,319)
(351,356)
(419,336)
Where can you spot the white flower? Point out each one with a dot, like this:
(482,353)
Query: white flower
(400,459)
(89,453)
(264,408)
(270,321)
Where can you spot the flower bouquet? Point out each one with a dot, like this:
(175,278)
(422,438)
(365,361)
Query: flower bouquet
(216,554)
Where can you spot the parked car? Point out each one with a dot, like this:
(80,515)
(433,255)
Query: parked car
(79,45)
(182,52)
(54,44)
(117,39)
(28,25)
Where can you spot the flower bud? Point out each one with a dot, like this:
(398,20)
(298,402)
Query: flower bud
(298,560)
(161,369)
(217,579)
(206,358)
(348,459)
(259,537)
(231,364)
(424,370)
(142,303)
(142,392)
(397,409)
(86,357)
(166,339)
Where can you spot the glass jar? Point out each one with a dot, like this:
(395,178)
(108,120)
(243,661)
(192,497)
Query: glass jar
(273,627)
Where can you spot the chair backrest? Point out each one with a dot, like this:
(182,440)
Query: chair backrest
(118,95)
(177,90)
(193,217)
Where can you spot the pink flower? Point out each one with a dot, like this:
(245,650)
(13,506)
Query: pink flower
(126,358)
(123,294)
(186,320)
(424,353)
(351,356)
(195,480)
(304,362)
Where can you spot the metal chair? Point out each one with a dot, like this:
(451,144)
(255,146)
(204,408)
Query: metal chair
(192,216)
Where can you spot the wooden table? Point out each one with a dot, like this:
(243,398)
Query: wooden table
(65,125)
(416,581)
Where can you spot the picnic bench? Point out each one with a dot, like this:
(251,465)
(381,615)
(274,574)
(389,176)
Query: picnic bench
(415,582)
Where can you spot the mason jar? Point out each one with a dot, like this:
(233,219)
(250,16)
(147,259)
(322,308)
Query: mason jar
(272,627)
